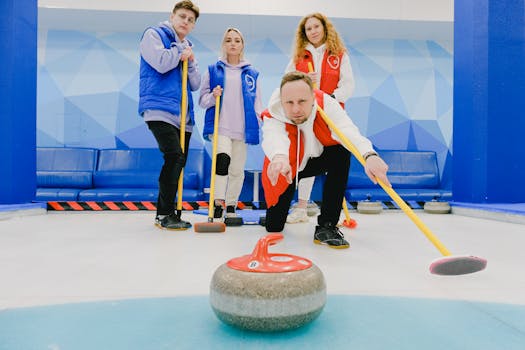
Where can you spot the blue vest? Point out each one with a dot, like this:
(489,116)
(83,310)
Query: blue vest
(249,87)
(163,91)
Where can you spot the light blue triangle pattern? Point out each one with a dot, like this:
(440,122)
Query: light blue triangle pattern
(88,90)
(388,94)
(381,117)
(384,139)
(358,111)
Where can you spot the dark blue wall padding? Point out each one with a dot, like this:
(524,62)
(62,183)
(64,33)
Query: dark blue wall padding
(18,47)
(489,102)
(414,175)
(65,167)
(63,172)
(140,168)
(132,175)
(406,169)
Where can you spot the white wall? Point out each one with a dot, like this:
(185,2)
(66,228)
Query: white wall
(413,10)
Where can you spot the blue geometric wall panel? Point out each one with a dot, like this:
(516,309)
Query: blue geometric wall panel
(445,124)
(358,110)
(131,88)
(406,57)
(381,117)
(413,88)
(368,74)
(126,114)
(82,130)
(441,60)
(424,108)
(88,90)
(137,137)
(383,139)
(61,43)
(443,96)
(388,94)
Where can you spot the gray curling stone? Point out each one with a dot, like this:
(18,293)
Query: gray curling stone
(266,292)
(368,207)
(435,207)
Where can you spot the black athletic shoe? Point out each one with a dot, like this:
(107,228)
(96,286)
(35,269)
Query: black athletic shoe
(231,218)
(230,211)
(330,235)
(217,211)
(172,222)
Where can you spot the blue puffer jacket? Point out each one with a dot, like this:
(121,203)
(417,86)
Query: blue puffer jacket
(163,91)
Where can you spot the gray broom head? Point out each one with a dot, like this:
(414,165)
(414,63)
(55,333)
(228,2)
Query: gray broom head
(457,265)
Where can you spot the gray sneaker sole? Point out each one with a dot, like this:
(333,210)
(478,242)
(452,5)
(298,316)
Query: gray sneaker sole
(344,246)
(182,228)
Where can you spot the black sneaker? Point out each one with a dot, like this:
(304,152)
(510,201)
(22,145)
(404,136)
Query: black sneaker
(231,218)
(217,211)
(330,235)
(230,211)
(172,222)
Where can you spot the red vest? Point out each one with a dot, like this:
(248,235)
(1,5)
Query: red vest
(330,70)
(322,133)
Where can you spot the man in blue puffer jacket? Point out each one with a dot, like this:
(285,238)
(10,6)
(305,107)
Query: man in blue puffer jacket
(162,51)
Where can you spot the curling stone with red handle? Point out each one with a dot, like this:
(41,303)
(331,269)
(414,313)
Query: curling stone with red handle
(267,292)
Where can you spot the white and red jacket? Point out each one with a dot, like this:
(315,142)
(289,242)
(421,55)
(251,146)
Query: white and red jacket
(282,137)
(336,73)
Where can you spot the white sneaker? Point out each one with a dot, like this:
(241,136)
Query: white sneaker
(297,215)
(312,209)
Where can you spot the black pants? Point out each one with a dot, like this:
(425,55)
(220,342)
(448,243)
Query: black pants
(168,139)
(335,162)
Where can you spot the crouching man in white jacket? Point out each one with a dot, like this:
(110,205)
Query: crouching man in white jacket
(297,143)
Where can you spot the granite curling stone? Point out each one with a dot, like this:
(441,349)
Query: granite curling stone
(369,207)
(267,292)
(436,207)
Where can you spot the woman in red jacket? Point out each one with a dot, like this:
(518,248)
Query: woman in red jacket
(319,52)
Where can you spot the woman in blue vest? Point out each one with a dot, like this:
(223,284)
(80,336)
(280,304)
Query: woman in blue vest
(236,81)
(162,51)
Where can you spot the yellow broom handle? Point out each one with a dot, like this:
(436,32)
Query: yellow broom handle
(401,203)
(183,107)
(311,69)
(214,156)
(345,207)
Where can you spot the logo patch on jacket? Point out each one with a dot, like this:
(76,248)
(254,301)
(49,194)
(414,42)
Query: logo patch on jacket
(250,82)
(333,61)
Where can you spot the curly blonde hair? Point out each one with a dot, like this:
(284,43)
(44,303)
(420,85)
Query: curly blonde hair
(332,40)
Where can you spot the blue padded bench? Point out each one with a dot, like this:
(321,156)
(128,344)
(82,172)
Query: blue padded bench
(63,172)
(132,175)
(414,176)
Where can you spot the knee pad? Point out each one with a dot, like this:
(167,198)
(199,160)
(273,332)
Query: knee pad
(223,163)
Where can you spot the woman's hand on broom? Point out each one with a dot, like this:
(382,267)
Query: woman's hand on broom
(217,91)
